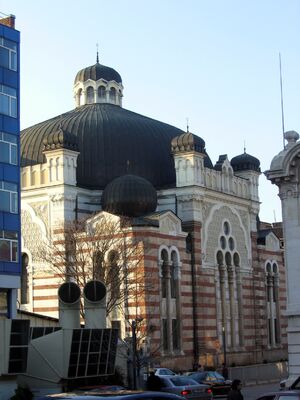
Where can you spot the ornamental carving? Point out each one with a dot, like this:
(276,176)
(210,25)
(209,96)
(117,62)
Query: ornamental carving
(214,230)
(33,237)
(42,211)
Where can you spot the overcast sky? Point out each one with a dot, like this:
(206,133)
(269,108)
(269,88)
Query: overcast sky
(215,62)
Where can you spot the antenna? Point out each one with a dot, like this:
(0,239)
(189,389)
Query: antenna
(97,58)
(281,94)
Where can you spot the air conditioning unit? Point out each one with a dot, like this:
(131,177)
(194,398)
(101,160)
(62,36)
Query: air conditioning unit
(94,294)
(14,334)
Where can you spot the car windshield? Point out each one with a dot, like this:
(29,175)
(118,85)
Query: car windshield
(182,381)
(165,371)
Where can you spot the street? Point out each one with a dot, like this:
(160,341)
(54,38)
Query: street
(253,392)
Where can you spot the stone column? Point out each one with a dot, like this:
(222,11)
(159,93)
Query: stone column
(285,173)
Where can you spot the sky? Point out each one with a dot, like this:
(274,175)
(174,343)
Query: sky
(215,62)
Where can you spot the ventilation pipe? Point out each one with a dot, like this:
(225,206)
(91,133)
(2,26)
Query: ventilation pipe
(94,294)
(69,305)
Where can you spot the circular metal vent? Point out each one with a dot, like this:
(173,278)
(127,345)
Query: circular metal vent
(69,292)
(94,291)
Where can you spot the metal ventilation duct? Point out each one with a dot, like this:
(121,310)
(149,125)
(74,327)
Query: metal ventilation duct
(69,305)
(94,294)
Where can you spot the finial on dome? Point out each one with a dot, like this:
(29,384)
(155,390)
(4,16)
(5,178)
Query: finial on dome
(244,146)
(187,125)
(97,58)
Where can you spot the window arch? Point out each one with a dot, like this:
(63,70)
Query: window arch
(170,299)
(112,95)
(90,95)
(102,92)
(113,274)
(273,307)
(230,286)
(24,280)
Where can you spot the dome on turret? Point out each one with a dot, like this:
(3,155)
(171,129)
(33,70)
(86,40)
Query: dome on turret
(129,195)
(96,72)
(187,141)
(245,162)
(60,139)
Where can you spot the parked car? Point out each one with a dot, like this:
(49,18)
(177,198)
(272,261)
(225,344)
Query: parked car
(282,395)
(218,384)
(287,384)
(164,372)
(138,395)
(186,387)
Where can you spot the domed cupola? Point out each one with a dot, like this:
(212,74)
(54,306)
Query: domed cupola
(189,142)
(129,195)
(245,162)
(98,84)
(60,139)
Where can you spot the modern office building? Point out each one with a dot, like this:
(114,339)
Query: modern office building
(9,166)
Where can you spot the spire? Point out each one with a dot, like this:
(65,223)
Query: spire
(244,146)
(187,125)
(97,58)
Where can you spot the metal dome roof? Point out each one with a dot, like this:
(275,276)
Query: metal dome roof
(129,195)
(97,71)
(109,137)
(244,162)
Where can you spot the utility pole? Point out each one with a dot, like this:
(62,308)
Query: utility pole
(133,327)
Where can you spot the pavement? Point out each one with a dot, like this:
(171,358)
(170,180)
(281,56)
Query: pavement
(254,392)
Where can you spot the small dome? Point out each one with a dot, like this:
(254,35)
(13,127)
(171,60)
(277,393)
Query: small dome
(60,139)
(97,71)
(188,142)
(245,162)
(129,195)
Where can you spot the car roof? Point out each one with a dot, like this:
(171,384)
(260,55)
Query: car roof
(136,394)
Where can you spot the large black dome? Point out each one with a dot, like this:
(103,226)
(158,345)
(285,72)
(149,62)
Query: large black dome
(109,139)
(245,162)
(97,71)
(129,195)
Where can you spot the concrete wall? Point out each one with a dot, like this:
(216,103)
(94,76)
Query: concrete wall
(259,373)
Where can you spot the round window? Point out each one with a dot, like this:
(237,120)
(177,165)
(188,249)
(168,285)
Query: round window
(223,242)
(231,243)
(226,228)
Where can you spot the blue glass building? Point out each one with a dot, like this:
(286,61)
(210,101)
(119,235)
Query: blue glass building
(10,265)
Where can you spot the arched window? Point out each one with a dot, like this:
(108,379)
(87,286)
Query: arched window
(113,276)
(101,92)
(164,271)
(273,307)
(89,95)
(24,280)
(112,95)
(98,266)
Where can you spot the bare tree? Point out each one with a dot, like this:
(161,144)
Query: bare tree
(103,248)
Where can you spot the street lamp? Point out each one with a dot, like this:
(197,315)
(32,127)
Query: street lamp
(224,343)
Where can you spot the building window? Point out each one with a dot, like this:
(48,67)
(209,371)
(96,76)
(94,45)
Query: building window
(24,280)
(112,94)
(8,54)
(8,101)
(170,301)
(8,197)
(101,92)
(89,95)
(8,148)
(9,246)
(273,306)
